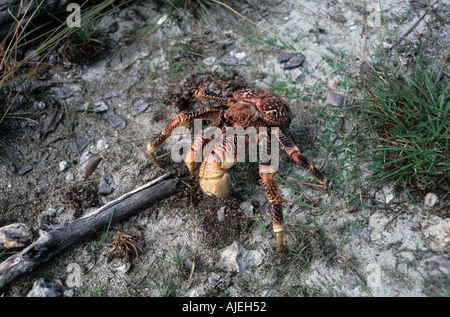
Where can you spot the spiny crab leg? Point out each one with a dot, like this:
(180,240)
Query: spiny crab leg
(294,152)
(266,172)
(178,121)
(201,144)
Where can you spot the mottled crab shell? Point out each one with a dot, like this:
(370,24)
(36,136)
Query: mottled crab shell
(272,108)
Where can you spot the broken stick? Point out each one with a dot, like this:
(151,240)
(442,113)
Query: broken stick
(56,237)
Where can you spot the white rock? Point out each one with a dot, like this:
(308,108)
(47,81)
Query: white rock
(236,258)
(386,194)
(63,165)
(69,293)
(438,231)
(122,268)
(221,214)
(389,197)
(246,208)
(70,177)
(240,55)
(101,145)
(430,200)
(43,289)
(162,19)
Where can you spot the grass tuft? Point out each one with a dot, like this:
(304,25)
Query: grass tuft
(408,117)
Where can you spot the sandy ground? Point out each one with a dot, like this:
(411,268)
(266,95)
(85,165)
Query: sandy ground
(195,245)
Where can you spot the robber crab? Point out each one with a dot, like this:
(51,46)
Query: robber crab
(258,108)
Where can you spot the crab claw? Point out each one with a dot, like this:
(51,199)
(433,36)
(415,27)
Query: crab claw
(205,97)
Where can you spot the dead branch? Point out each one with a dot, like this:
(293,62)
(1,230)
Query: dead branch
(55,237)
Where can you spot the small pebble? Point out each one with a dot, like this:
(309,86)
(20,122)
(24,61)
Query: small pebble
(294,62)
(78,145)
(240,55)
(221,214)
(63,165)
(141,105)
(123,268)
(335,99)
(301,78)
(284,57)
(430,200)
(106,185)
(69,293)
(389,198)
(24,169)
(101,145)
(43,289)
(70,177)
(116,120)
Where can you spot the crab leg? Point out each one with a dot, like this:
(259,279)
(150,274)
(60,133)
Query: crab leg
(195,155)
(267,172)
(205,96)
(293,151)
(178,121)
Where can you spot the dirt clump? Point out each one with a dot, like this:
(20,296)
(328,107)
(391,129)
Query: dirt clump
(80,198)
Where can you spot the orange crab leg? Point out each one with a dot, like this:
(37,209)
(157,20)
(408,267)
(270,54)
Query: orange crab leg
(205,96)
(179,120)
(276,210)
(195,155)
(267,172)
(293,151)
